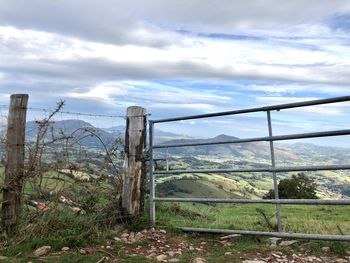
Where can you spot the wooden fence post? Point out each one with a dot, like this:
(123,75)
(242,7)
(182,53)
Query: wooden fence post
(134,171)
(14,168)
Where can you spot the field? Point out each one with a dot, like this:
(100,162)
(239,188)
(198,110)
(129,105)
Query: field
(297,219)
(91,231)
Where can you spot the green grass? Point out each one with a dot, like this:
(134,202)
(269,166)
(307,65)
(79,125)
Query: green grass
(65,228)
(295,218)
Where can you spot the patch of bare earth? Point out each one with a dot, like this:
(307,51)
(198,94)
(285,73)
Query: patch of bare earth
(162,247)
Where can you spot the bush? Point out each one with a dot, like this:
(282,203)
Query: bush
(297,187)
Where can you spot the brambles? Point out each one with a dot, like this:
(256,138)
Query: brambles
(70,191)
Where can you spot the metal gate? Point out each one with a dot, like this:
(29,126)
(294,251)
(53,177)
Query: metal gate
(273,169)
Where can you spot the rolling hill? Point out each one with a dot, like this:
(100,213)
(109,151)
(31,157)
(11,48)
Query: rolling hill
(255,154)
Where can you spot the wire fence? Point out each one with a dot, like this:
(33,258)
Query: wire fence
(74,158)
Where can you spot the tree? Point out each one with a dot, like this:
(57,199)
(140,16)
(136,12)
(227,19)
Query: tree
(297,187)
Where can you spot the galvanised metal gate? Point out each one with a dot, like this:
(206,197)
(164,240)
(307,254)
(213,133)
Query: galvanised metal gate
(272,169)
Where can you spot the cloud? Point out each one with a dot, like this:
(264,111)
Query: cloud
(112,54)
(151,95)
(333,109)
(152,22)
(340,21)
(106,21)
(277,89)
(43,55)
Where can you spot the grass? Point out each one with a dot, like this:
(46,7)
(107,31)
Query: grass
(79,231)
(65,228)
(298,218)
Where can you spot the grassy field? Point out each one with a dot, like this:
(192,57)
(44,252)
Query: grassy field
(298,218)
(77,231)
(61,227)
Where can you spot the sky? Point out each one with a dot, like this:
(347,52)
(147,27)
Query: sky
(181,57)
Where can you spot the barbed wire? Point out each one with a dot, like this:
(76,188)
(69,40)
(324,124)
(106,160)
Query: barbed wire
(78,113)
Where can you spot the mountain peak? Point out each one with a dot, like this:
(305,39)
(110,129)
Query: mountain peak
(224,137)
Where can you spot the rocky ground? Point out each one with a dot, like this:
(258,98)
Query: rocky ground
(159,246)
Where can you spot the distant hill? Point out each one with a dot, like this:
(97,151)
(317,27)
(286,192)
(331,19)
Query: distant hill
(77,128)
(222,156)
(258,150)
(159,136)
(306,152)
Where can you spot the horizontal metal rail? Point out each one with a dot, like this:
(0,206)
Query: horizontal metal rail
(271,169)
(256,201)
(266,108)
(269,234)
(261,139)
(265,169)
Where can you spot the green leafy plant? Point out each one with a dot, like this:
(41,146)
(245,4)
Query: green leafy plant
(297,187)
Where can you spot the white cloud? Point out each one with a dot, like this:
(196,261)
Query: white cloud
(291,89)
(152,95)
(141,22)
(43,54)
(66,49)
(334,109)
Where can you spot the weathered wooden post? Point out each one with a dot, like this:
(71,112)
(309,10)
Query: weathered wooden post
(134,170)
(14,168)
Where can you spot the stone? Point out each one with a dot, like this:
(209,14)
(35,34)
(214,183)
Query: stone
(41,251)
(65,248)
(173,260)
(171,253)
(199,260)
(117,239)
(125,235)
(138,236)
(228,253)
(307,246)
(288,243)
(152,255)
(275,255)
(254,261)
(3,258)
(162,231)
(162,258)
(233,236)
(82,251)
(341,260)
(325,249)
(274,240)
(76,210)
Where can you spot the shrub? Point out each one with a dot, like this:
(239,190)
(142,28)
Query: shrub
(297,187)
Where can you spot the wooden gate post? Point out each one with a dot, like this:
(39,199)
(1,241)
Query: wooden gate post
(134,171)
(14,168)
